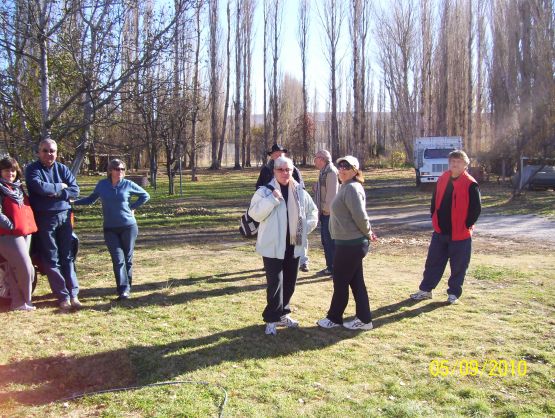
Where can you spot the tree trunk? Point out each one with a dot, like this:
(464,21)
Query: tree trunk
(237,101)
(213,6)
(227,86)
(196,103)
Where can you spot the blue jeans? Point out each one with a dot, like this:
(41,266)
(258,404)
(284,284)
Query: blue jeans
(121,242)
(327,242)
(55,244)
(442,249)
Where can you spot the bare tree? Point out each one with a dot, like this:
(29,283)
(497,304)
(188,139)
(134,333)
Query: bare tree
(174,118)
(266,17)
(276,33)
(248,14)
(302,31)
(366,91)
(425,105)
(442,90)
(237,99)
(396,36)
(358,30)
(331,15)
(480,52)
(470,96)
(213,6)
(227,84)
(87,35)
(195,99)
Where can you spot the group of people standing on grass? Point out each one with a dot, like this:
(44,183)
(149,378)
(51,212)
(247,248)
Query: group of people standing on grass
(285,210)
(287,214)
(46,214)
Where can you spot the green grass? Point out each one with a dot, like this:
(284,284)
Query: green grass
(195,315)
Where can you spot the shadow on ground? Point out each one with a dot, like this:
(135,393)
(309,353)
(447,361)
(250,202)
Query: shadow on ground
(54,378)
(57,377)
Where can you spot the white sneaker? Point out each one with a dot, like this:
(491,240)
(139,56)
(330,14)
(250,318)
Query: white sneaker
(452,299)
(271,328)
(24,307)
(326,323)
(357,324)
(421,295)
(287,321)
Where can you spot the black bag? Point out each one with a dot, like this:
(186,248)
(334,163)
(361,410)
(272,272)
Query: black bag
(248,227)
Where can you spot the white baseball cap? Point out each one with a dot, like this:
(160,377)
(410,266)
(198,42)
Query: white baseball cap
(350,159)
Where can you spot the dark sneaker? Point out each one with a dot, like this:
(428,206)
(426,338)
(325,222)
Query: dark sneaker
(421,295)
(75,303)
(65,305)
(325,272)
(123,296)
(304,267)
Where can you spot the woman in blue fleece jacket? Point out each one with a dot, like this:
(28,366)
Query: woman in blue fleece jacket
(120,226)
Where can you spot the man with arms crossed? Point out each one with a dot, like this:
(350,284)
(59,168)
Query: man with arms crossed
(51,185)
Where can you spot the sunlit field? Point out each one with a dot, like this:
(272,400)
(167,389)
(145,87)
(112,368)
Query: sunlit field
(195,321)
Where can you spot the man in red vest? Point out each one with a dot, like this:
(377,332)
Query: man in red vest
(455,209)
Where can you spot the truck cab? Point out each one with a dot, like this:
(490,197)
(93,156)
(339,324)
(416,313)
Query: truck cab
(431,156)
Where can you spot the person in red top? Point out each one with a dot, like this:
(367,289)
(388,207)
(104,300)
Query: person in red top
(455,209)
(17,223)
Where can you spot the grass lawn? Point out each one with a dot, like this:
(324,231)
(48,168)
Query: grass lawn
(195,316)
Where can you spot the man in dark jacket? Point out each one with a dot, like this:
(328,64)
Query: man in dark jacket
(51,185)
(455,208)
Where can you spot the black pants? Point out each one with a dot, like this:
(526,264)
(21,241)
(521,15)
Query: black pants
(347,272)
(281,277)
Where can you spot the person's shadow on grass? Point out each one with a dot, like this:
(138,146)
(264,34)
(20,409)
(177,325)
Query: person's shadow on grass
(53,378)
(48,299)
(229,277)
(400,311)
(162,298)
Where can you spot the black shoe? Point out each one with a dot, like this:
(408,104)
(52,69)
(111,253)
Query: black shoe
(304,267)
(325,272)
(123,296)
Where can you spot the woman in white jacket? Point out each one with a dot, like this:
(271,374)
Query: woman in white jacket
(287,215)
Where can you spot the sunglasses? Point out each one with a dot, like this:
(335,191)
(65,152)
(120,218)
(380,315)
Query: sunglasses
(118,169)
(344,166)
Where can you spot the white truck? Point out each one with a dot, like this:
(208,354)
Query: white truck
(430,156)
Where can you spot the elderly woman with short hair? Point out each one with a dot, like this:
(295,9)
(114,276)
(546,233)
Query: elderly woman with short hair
(287,215)
(120,225)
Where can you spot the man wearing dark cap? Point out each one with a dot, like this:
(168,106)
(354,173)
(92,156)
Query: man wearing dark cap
(267,171)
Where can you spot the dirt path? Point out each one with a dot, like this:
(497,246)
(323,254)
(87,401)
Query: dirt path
(517,227)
